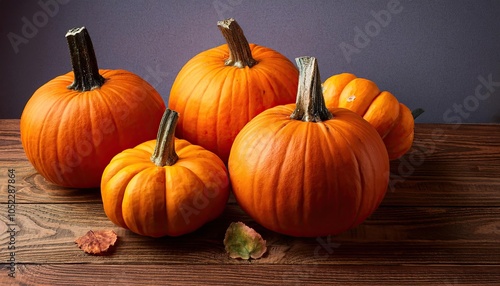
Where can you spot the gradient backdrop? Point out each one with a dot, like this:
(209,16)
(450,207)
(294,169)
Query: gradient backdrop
(443,56)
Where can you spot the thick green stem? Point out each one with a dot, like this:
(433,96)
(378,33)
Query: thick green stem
(240,54)
(84,61)
(310,105)
(164,153)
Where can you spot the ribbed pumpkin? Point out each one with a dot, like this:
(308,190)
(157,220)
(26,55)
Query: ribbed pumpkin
(305,170)
(165,186)
(392,119)
(74,124)
(219,90)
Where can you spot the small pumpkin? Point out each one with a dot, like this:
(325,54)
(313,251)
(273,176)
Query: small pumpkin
(305,170)
(392,119)
(219,90)
(74,124)
(166,186)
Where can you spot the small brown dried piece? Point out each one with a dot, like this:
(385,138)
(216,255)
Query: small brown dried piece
(97,242)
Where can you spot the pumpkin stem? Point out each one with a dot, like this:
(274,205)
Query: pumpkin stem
(164,153)
(83,59)
(240,54)
(310,105)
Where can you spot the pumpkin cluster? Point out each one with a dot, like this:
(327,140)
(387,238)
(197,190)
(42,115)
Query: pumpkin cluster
(301,157)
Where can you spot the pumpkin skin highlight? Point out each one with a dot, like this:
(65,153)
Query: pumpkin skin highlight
(70,135)
(380,108)
(216,100)
(171,200)
(308,179)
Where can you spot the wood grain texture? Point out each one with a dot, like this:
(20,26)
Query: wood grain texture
(11,149)
(439,224)
(249,274)
(413,235)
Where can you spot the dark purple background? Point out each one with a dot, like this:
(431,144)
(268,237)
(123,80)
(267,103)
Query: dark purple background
(431,54)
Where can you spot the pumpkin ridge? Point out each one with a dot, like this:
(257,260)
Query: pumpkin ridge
(168,186)
(120,102)
(185,101)
(203,96)
(376,196)
(361,186)
(332,141)
(130,202)
(139,152)
(341,137)
(194,176)
(373,99)
(63,124)
(379,110)
(268,82)
(44,127)
(95,118)
(274,183)
(111,112)
(132,172)
(188,174)
(360,192)
(279,65)
(271,79)
(332,99)
(281,130)
(219,79)
(200,188)
(39,146)
(305,200)
(255,180)
(360,93)
(247,74)
(231,85)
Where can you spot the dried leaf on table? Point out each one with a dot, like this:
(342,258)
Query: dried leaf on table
(97,242)
(244,242)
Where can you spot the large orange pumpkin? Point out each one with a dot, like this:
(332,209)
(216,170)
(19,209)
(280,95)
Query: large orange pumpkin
(305,170)
(219,90)
(165,186)
(392,119)
(74,124)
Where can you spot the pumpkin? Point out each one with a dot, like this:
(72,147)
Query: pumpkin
(305,170)
(74,124)
(166,186)
(219,90)
(392,119)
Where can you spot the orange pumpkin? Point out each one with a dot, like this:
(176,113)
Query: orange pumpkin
(219,90)
(165,186)
(74,124)
(305,170)
(392,119)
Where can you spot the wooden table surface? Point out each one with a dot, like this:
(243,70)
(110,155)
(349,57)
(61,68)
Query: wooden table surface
(439,224)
